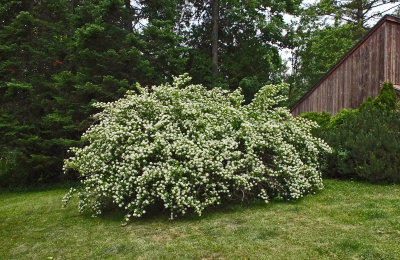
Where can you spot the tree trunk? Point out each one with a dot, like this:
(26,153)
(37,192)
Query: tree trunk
(129,17)
(214,37)
(360,16)
(73,4)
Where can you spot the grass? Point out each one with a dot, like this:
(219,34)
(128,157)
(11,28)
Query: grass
(347,220)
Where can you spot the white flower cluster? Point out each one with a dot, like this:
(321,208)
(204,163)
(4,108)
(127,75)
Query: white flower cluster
(186,148)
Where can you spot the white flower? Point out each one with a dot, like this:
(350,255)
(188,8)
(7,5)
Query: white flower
(189,148)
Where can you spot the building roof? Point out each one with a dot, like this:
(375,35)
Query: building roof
(386,18)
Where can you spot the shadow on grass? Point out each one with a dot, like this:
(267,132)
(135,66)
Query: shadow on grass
(342,182)
(160,214)
(157,214)
(38,187)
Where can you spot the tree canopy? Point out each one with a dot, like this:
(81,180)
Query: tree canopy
(58,57)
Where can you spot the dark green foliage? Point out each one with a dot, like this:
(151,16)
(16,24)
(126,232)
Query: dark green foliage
(57,57)
(249,86)
(323,119)
(249,35)
(30,43)
(387,99)
(366,141)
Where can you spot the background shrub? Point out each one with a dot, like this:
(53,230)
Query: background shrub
(9,169)
(365,141)
(323,120)
(186,148)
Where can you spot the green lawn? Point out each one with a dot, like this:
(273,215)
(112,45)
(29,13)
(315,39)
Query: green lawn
(348,220)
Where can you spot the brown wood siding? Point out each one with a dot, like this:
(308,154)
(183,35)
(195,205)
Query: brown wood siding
(359,74)
(393,53)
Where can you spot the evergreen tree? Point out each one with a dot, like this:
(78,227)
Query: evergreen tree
(359,12)
(31,46)
(57,57)
(249,35)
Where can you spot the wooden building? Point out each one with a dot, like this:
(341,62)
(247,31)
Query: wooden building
(360,73)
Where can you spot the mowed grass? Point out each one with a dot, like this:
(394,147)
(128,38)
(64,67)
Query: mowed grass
(347,220)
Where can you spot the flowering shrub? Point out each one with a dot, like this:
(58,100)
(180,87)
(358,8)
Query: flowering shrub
(187,148)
